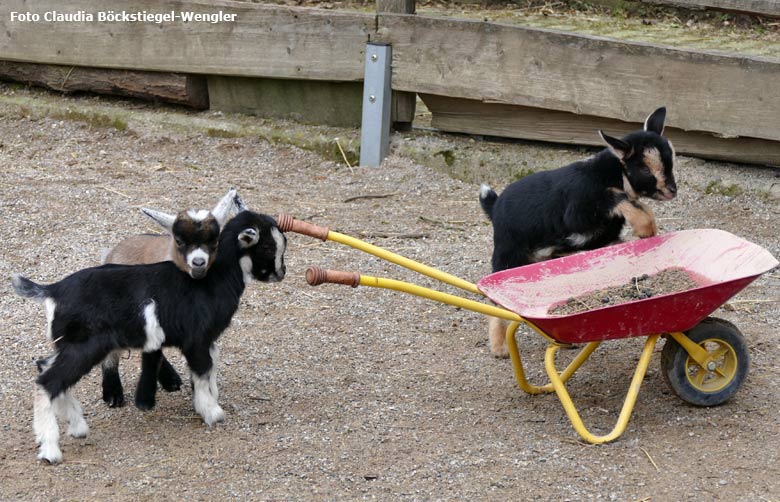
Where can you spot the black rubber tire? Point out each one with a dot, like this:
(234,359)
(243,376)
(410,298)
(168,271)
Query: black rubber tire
(677,367)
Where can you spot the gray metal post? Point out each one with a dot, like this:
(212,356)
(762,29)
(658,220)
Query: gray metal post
(377,98)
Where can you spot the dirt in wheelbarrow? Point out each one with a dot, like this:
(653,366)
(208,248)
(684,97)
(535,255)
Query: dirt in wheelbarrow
(334,393)
(671,280)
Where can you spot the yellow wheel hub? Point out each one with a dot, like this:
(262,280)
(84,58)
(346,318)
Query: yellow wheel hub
(719,369)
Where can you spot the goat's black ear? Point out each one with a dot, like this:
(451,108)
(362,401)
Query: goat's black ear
(248,237)
(620,148)
(655,121)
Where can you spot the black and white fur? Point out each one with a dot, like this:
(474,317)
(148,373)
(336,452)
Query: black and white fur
(581,206)
(191,245)
(96,311)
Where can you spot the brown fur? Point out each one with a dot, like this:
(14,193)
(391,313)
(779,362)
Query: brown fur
(639,216)
(140,249)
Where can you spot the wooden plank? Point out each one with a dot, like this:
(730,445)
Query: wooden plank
(188,90)
(728,94)
(495,119)
(264,41)
(332,103)
(404,103)
(760,7)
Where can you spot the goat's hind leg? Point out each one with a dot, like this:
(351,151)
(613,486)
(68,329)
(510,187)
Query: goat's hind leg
(68,408)
(168,377)
(113,393)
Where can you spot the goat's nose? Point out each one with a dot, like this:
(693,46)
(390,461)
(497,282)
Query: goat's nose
(198,262)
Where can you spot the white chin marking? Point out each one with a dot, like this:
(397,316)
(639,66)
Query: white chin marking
(198,215)
(154,333)
(246,268)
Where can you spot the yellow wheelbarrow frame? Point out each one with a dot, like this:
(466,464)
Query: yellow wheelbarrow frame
(316,276)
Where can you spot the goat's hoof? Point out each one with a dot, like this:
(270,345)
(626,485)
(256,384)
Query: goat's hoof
(170,382)
(114,400)
(214,416)
(144,405)
(500,352)
(78,430)
(50,455)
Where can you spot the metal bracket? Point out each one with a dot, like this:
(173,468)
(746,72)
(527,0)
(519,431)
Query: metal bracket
(377,100)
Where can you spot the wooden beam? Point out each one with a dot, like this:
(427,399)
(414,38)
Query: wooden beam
(188,90)
(759,7)
(404,103)
(494,119)
(263,40)
(728,94)
(332,103)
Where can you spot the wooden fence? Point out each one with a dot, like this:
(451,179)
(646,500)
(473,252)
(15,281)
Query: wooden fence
(726,99)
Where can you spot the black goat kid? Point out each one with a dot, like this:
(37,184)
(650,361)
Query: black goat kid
(99,310)
(581,206)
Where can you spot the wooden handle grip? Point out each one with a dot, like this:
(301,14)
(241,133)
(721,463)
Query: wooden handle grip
(289,224)
(316,276)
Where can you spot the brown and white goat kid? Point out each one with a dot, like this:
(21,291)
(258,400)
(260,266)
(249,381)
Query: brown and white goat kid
(581,206)
(190,244)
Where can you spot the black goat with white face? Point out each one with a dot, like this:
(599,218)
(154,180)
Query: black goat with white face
(581,206)
(191,244)
(96,311)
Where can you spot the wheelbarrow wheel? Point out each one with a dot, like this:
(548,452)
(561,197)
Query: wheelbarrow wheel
(725,372)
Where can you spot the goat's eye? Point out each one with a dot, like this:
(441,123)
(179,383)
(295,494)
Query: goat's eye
(179,242)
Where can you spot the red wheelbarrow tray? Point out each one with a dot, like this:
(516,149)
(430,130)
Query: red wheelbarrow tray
(720,263)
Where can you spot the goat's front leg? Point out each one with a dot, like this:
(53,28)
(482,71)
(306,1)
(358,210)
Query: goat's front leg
(113,393)
(203,365)
(638,215)
(145,393)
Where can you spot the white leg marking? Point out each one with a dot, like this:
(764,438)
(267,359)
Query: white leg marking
(205,403)
(47,432)
(543,253)
(246,268)
(578,239)
(214,353)
(49,306)
(77,426)
(154,333)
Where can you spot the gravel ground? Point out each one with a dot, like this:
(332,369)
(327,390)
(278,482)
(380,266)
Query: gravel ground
(334,393)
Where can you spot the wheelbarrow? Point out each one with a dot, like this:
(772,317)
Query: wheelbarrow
(704,359)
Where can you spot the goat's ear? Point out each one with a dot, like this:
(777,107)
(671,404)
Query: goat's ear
(223,208)
(238,205)
(248,237)
(618,147)
(655,121)
(165,220)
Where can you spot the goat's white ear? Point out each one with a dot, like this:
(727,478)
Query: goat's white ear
(223,208)
(618,147)
(248,237)
(655,121)
(165,220)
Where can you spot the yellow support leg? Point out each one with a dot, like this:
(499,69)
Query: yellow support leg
(517,363)
(628,405)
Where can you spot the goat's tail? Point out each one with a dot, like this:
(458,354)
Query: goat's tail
(27,288)
(487,199)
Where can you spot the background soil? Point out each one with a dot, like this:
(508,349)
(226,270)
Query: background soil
(334,393)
